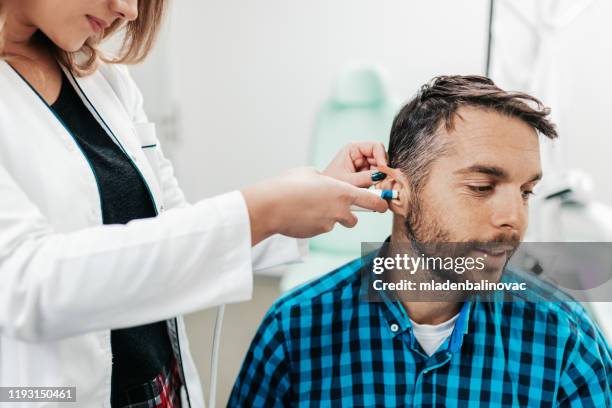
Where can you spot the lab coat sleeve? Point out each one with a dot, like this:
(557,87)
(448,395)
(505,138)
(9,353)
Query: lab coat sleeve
(55,285)
(274,251)
(278,250)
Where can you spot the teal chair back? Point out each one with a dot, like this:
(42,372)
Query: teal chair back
(359,108)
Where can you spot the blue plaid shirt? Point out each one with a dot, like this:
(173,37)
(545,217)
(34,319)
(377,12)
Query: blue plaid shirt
(321,345)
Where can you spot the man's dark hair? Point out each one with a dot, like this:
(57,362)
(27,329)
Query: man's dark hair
(413,143)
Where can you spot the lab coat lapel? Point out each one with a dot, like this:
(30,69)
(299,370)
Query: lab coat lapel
(33,130)
(15,89)
(103,99)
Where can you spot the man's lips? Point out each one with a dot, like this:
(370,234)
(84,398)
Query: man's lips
(97,24)
(495,250)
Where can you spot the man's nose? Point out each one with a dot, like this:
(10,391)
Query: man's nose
(509,211)
(125,9)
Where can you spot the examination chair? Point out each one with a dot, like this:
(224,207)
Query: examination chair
(358,108)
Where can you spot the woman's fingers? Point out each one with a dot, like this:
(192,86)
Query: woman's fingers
(304,203)
(349,220)
(372,153)
(361,179)
(366,199)
(355,158)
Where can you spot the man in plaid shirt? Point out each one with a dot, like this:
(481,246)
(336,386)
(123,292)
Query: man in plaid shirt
(465,158)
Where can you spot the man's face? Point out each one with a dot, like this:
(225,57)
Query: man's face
(479,190)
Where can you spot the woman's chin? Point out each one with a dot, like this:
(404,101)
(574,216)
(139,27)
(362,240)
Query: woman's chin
(74,47)
(70,45)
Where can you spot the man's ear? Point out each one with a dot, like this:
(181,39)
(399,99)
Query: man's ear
(396,180)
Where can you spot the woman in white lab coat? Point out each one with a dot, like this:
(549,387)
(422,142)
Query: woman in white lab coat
(83,256)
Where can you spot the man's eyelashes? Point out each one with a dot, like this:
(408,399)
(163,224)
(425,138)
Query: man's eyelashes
(486,189)
(481,189)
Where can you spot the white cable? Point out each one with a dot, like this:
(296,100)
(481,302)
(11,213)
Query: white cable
(214,362)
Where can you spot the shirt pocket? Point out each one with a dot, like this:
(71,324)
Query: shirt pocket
(149,144)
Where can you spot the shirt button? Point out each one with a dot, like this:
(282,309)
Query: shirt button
(394,327)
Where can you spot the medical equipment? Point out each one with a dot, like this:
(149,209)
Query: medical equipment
(214,362)
(384,194)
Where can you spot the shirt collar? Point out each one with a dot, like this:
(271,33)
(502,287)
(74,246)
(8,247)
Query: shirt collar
(398,321)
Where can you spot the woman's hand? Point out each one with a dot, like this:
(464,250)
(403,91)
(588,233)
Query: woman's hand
(355,162)
(303,203)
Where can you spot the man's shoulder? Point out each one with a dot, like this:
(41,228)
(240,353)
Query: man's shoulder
(542,294)
(343,282)
(551,307)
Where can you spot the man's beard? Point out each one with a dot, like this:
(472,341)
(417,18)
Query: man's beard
(419,229)
(428,237)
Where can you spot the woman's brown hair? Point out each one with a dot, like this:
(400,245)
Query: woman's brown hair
(138,39)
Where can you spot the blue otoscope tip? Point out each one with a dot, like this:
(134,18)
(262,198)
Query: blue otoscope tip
(386,194)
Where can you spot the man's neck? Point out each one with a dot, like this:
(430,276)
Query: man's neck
(431,312)
(426,312)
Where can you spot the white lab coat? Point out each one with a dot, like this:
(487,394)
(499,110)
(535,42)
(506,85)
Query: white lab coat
(66,280)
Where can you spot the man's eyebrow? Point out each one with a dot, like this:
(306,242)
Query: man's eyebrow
(493,171)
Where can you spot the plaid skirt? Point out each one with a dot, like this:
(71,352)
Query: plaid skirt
(161,392)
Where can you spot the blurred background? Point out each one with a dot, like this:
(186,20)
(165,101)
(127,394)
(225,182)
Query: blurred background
(242,90)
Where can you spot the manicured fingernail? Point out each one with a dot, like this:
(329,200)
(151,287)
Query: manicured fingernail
(378,176)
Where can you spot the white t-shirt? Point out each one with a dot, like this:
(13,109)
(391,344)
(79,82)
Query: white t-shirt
(431,336)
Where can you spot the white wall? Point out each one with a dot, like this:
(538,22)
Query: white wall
(249,75)
(586,65)
(566,62)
